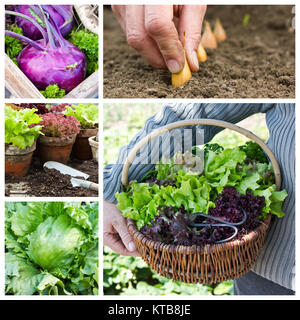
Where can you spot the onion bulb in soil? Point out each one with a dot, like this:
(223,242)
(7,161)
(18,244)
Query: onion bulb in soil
(201,53)
(219,31)
(180,78)
(208,39)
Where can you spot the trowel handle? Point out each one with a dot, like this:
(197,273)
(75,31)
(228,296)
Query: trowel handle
(93,186)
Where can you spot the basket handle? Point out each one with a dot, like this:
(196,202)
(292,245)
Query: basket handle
(208,122)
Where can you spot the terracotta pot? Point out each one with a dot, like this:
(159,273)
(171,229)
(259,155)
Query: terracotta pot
(94,146)
(82,149)
(55,149)
(17,161)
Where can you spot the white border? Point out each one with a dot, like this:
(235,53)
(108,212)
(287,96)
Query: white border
(100,101)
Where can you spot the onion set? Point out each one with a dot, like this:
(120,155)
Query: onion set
(180,78)
(219,31)
(209,40)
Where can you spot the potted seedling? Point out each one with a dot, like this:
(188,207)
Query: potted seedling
(59,136)
(22,128)
(87,115)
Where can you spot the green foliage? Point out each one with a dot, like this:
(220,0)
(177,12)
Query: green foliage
(246,20)
(87,114)
(121,123)
(132,276)
(51,248)
(53,92)
(212,147)
(21,127)
(13,46)
(254,151)
(197,192)
(87,42)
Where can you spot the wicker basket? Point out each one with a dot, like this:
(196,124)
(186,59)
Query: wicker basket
(212,263)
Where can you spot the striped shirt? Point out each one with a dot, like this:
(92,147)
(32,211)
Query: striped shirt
(277,259)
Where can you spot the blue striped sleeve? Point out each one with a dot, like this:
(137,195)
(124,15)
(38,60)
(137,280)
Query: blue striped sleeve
(171,113)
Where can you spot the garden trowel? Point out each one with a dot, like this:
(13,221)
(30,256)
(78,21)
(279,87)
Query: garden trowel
(75,174)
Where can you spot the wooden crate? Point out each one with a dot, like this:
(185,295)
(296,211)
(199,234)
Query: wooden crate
(20,86)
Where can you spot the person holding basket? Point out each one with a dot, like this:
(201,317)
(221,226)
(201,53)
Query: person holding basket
(274,270)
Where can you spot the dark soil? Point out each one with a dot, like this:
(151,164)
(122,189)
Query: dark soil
(256,61)
(51,183)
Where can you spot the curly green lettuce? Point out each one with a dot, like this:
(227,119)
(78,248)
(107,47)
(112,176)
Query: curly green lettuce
(21,127)
(88,43)
(53,91)
(87,114)
(51,248)
(13,46)
(197,192)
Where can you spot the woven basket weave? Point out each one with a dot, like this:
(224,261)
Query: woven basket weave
(211,263)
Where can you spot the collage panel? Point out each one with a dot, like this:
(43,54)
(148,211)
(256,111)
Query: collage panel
(245,51)
(199,199)
(149,155)
(51,244)
(51,150)
(51,248)
(51,51)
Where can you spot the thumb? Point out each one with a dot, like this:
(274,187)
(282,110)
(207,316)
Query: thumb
(124,234)
(189,28)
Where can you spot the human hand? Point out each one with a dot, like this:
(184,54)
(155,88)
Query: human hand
(115,232)
(156,33)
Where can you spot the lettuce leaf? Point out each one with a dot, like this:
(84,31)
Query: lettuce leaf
(197,192)
(86,114)
(51,248)
(21,127)
(22,277)
(53,244)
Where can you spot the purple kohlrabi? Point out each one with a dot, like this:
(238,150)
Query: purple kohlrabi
(60,14)
(52,59)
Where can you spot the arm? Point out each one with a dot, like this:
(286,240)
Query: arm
(171,113)
(116,235)
(277,260)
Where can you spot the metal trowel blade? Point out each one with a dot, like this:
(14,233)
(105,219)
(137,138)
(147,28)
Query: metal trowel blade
(62,168)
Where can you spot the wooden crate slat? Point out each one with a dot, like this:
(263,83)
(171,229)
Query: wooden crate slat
(17,83)
(87,88)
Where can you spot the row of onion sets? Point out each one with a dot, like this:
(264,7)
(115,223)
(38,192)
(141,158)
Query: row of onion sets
(209,40)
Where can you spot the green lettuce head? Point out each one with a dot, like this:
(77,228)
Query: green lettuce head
(54,244)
